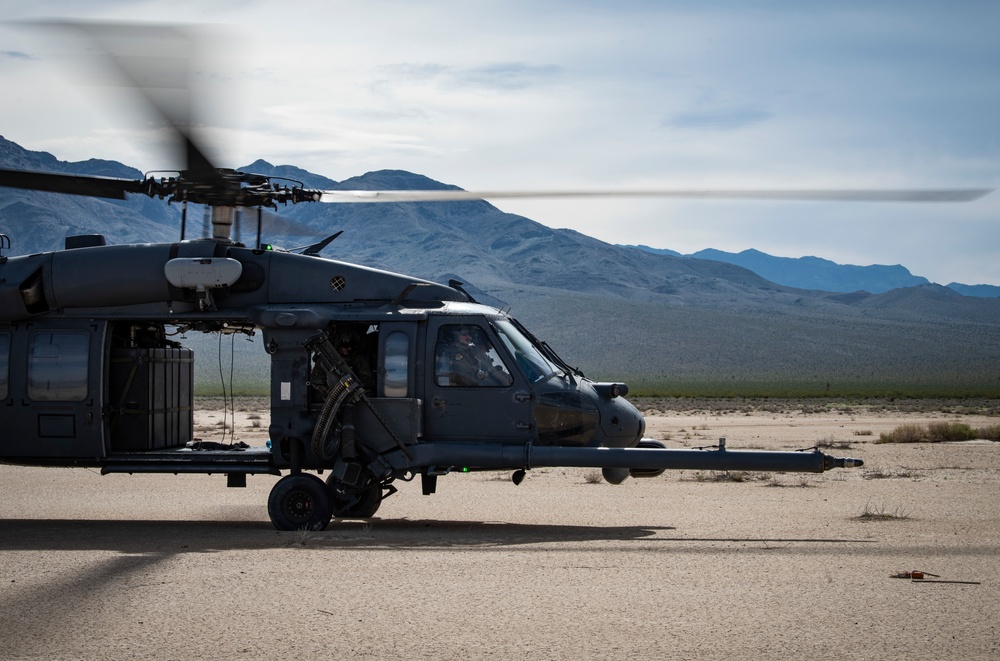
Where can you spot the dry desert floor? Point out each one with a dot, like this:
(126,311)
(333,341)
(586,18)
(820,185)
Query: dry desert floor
(686,565)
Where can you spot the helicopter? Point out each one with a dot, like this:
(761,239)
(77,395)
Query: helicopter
(376,377)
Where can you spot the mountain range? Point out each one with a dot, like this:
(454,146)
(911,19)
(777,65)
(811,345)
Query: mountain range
(825,275)
(665,322)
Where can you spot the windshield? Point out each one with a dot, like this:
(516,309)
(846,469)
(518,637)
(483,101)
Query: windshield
(535,366)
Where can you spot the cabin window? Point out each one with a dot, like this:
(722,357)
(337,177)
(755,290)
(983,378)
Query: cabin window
(57,366)
(397,365)
(464,356)
(4,364)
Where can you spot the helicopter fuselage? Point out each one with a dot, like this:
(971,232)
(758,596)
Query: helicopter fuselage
(79,315)
(374,376)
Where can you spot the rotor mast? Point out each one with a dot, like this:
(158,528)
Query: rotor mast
(222,223)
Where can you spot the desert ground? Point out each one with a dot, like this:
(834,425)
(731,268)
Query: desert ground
(565,566)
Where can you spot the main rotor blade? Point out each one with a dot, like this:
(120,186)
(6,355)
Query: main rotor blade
(68,183)
(154,60)
(819,195)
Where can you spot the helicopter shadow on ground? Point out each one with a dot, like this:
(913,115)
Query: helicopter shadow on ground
(393,534)
(173,537)
(178,537)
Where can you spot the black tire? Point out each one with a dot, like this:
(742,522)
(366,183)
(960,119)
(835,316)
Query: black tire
(300,502)
(354,502)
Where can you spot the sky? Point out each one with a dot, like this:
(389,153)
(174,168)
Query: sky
(624,94)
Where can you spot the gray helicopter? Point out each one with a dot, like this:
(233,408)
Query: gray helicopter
(375,377)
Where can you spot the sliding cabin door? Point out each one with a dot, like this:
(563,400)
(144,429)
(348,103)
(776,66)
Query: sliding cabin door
(53,390)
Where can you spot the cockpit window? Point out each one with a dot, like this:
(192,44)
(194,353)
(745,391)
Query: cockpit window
(530,360)
(464,356)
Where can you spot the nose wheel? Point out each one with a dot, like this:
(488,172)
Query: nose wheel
(300,501)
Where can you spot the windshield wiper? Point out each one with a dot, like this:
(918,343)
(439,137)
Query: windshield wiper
(548,351)
(554,357)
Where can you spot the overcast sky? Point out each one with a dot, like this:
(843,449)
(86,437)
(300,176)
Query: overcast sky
(623,94)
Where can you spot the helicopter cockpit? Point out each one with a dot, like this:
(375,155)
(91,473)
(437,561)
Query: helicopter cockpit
(494,381)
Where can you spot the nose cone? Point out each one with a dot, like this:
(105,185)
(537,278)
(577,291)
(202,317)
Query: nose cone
(621,423)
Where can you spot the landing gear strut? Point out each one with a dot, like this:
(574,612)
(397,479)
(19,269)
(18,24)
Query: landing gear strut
(355,502)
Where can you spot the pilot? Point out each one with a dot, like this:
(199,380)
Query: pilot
(469,362)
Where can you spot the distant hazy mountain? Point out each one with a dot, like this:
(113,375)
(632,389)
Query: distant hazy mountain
(818,273)
(616,311)
(814,272)
(981,291)
(825,275)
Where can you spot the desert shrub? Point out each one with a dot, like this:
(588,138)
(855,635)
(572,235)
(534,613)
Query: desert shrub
(990,433)
(881,511)
(942,432)
(939,432)
(833,444)
(908,433)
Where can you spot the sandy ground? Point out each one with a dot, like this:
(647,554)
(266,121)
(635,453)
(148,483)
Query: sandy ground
(687,565)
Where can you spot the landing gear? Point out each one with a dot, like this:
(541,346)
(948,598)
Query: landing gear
(355,502)
(300,501)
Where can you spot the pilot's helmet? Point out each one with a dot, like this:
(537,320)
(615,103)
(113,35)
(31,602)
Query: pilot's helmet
(466,331)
